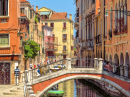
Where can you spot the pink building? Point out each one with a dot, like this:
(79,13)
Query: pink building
(50,43)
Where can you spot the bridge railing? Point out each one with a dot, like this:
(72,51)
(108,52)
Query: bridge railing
(83,63)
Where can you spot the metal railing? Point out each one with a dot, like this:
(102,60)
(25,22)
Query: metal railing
(83,63)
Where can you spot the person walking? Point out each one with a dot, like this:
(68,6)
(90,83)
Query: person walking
(17,74)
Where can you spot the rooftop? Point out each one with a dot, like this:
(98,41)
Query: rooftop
(59,15)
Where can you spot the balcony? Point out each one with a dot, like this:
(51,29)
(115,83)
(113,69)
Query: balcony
(51,40)
(76,41)
(98,39)
(123,30)
(88,45)
(50,47)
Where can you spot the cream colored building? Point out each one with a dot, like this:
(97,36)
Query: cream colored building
(63,29)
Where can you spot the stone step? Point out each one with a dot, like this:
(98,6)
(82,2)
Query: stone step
(7,92)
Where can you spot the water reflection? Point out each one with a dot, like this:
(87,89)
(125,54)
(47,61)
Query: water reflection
(81,88)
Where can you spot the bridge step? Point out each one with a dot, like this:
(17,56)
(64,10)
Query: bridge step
(15,91)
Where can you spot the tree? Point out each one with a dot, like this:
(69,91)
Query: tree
(31,49)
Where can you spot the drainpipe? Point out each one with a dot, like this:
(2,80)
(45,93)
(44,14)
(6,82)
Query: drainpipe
(104,30)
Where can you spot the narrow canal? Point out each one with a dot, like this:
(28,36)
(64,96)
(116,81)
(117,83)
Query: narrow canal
(83,88)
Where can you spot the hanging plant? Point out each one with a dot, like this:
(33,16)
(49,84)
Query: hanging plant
(36,19)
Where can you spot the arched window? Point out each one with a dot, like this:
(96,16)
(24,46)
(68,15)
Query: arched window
(119,17)
(125,9)
(116,16)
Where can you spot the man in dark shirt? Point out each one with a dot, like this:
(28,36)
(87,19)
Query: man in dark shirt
(17,73)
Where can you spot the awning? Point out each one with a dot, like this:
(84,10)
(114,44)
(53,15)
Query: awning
(45,13)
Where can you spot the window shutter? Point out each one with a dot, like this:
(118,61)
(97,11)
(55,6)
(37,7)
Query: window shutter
(0,7)
(66,36)
(6,7)
(64,24)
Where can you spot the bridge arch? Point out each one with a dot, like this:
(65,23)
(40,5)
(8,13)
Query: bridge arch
(119,88)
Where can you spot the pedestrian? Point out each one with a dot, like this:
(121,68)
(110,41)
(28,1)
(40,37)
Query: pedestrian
(30,66)
(38,71)
(17,75)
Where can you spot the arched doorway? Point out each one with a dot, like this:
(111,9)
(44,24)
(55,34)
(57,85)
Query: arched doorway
(116,59)
(121,64)
(116,67)
(126,69)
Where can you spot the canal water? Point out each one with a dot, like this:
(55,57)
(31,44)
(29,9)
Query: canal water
(73,88)
(76,88)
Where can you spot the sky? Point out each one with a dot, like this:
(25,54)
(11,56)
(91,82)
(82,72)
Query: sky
(56,5)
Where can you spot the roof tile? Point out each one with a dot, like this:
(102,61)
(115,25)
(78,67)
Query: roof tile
(59,15)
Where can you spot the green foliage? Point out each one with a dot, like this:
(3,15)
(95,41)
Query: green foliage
(36,18)
(31,49)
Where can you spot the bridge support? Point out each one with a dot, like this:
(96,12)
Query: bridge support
(68,63)
(100,67)
(96,63)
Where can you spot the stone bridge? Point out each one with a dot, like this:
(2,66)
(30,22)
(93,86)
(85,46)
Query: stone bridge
(45,82)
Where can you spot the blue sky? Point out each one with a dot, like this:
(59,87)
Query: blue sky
(56,5)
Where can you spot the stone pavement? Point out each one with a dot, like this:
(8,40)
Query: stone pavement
(3,88)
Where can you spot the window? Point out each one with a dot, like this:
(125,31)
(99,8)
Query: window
(52,25)
(4,40)
(64,37)
(26,35)
(3,7)
(72,47)
(30,14)
(64,47)
(46,24)
(22,10)
(64,56)
(38,19)
(64,25)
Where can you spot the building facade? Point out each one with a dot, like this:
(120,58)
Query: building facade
(117,40)
(62,28)
(34,30)
(10,50)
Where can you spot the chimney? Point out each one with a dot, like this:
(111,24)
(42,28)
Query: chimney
(70,16)
(36,8)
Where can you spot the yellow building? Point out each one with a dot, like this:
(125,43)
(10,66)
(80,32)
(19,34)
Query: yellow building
(63,29)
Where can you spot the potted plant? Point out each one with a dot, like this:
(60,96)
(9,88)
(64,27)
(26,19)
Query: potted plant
(110,33)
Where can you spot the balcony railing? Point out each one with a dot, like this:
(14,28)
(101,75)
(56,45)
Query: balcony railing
(50,47)
(76,19)
(76,41)
(88,45)
(51,40)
